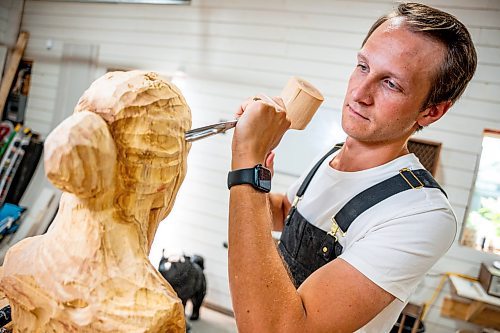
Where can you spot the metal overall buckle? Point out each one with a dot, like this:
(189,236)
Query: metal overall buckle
(328,246)
(334,229)
(292,209)
(420,184)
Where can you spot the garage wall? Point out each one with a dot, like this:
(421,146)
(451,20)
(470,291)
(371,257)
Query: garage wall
(222,51)
(10,19)
(4,12)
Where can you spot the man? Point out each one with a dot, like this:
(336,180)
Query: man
(413,65)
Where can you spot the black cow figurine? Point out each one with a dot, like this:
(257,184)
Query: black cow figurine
(185,275)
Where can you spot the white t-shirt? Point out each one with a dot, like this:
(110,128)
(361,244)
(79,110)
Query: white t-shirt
(395,242)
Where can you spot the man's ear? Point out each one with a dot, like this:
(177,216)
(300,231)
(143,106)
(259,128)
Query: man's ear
(433,113)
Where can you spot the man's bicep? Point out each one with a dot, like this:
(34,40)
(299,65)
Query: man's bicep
(400,251)
(339,298)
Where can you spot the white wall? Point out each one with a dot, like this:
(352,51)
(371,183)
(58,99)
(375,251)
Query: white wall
(10,20)
(231,49)
(4,12)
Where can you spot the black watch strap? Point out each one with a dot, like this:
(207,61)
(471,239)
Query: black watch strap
(259,177)
(241,176)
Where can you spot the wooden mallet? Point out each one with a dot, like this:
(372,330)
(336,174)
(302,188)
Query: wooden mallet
(302,100)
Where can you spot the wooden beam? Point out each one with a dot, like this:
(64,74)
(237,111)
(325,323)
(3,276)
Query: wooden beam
(11,69)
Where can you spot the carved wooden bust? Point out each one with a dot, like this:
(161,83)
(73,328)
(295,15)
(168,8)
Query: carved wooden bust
(119,159)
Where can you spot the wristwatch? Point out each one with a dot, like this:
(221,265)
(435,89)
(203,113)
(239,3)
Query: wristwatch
(258,176)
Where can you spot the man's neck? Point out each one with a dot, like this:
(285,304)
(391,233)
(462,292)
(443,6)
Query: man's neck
(357,155)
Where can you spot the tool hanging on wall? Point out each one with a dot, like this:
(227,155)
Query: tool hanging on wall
(301,99)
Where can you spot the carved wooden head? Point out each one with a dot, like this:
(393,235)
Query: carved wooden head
(126,137)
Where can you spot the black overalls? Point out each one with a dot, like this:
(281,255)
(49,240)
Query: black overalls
(305,247)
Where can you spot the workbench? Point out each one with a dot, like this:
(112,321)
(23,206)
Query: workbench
(470,302)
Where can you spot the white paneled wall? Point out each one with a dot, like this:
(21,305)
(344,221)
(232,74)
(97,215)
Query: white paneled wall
(231,49)
(10,20)
(4,12)
(7,11)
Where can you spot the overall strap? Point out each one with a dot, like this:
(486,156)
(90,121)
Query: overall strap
(406,180)
(311,173)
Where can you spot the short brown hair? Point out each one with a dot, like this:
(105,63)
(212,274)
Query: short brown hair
(460,60)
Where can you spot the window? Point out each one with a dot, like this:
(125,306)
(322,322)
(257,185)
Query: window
(482,219)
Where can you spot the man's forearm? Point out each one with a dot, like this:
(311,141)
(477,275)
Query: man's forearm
(264,298)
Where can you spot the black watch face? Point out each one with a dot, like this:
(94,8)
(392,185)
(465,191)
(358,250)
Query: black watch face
(264,177)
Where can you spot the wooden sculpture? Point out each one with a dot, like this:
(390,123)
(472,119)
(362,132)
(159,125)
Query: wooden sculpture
(119,159)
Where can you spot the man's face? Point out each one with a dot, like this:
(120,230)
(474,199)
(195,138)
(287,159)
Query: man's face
(390,83)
